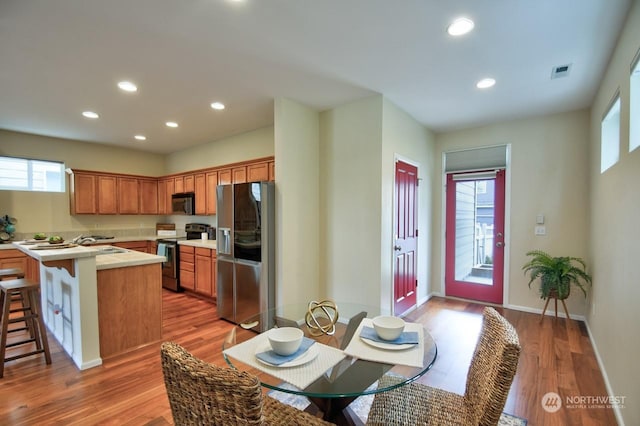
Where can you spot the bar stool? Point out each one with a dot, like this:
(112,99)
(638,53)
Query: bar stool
(30,313)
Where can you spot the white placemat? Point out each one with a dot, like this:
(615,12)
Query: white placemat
(413,357)
(300,376)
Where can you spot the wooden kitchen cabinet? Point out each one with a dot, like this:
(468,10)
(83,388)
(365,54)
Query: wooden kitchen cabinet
(203,272)
(178,183)
(107,194)
(224,177)
(170,189)
(148,201)
(189,183)
(82,191)
(211,195)
(272,171)
(187,267)
(13,258)
(239,174)
(258,172)
(142,246)
(128,195)
(200,190)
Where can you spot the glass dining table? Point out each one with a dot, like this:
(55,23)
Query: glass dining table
(339,367)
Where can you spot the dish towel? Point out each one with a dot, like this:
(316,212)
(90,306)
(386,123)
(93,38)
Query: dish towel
(406,337)
(274,359)
(162,249)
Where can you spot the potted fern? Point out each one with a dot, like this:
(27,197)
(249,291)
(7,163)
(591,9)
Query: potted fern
(557,275)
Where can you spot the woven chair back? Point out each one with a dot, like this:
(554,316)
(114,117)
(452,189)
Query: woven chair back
(204,394)
(492,368)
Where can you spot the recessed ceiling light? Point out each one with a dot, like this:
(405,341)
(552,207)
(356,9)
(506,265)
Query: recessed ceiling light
(128,86)
(90,114)
(217,105)
(460,27)
(140,137)
(485,83)
(171,124)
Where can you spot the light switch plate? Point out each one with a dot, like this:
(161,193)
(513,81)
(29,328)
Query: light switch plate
(541,230)
(540,219)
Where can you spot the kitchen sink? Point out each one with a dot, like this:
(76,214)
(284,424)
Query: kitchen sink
(110,250)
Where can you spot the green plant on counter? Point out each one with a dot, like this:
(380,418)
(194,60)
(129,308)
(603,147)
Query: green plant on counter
(556,274)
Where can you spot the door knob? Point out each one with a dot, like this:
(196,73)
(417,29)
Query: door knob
(499,244)
(397,248)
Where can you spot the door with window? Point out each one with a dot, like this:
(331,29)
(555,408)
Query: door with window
(405,237)
(474,264)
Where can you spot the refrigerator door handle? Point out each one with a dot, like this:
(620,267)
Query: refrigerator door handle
(247,262)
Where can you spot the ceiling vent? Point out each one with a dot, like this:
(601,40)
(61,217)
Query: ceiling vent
(560,71)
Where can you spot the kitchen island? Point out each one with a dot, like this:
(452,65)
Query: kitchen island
(99,301)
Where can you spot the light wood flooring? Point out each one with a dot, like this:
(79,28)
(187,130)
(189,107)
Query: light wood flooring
(129,390)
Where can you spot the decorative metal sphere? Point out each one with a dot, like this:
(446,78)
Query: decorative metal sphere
(317,311)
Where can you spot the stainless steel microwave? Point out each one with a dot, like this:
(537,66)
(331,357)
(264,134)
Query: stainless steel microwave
(183,203)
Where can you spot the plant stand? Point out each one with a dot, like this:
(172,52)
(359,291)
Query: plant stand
(553,295)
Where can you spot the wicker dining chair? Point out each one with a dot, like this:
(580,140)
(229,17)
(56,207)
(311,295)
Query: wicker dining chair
(489,378)
(201,393)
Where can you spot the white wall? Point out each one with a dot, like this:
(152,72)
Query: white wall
(297,202)
(549,175)
(615,235)
(405,138)
(350,213)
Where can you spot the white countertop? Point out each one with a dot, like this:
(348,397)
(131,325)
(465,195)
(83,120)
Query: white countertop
(103,261)
(210,244)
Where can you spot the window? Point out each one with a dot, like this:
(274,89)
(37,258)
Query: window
(21,174)
(610,136)
(634,106)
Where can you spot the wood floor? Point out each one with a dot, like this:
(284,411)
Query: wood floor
(129,390)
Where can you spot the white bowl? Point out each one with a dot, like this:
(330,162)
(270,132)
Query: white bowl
(285,340)
(387,327)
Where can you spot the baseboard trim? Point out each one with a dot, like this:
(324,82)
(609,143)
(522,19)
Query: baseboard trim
(607,384)
(549,313)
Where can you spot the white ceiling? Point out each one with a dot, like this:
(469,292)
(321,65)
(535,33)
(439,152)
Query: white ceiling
(59,58)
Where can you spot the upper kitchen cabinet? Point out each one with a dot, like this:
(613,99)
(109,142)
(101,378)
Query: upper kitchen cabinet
(178,183)
(149,196)
(107,193)
(224,177)
(189,183)
(128,195)
(200,190)
(211,194)
(239,174)
(82,193)
(258,172)
(272,170)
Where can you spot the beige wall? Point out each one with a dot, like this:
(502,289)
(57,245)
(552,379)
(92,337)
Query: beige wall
(615,235)
(49,212)
(548,175)
(246,146)
(406,139)
(350,214)
(297,202)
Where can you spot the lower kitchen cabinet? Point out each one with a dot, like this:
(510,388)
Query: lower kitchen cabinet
(13,258)
(142,246)
(206,271)
(198,270)
(187,267)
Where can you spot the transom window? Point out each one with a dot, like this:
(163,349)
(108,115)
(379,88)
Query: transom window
(23,174)
(610,136)
(634,110)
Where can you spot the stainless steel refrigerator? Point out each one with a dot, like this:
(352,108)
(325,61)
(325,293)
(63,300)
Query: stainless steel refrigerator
(246,250)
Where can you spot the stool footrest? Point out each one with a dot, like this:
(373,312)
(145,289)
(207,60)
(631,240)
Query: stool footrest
(39,351)
(22,342)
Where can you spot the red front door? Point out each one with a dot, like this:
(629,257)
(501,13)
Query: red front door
(475,236)
(405,237)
